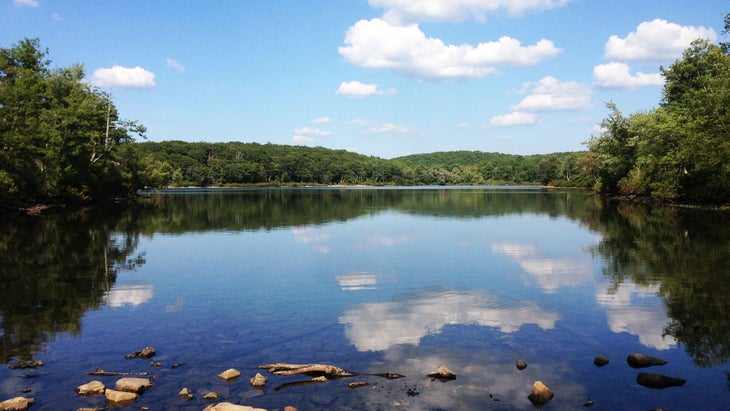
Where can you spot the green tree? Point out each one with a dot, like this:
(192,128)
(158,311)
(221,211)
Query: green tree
(60,138)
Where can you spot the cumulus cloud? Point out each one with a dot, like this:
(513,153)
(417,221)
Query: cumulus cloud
(298,139)
(356,89)
(175,65)
(618,75)
(119,76)
(655,40)
(377,43)
(26,3)
(307,131)
(399,11)
(378,128)
(549,94)
(515,118)
(322,120)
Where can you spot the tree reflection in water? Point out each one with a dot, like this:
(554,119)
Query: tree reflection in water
(684,253)
(56,267)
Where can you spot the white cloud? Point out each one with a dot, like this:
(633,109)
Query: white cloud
(618,75)
(119,76)
(377,128)
(175,65)
(322,120)
(307,131)
(302,140)
(515,118)
(655,40)
(406,50)
(26,3)
(356,89)
(549,94)
(399,11)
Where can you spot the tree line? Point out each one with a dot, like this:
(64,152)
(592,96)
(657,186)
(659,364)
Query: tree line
(63,140)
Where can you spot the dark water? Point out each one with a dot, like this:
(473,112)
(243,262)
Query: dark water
(374,281)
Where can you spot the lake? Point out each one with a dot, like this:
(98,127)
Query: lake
(372,280)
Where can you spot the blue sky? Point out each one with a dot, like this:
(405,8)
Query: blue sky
(377,77)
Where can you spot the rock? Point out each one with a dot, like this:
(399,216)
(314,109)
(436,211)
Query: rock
(643,361)
(227,406)
(358,384)
(600,360)
(589,403)
(230,374)
(658,381)
(257,380)
(130,384)
(521,365)
(91,388)
(185,394)
(290,408)
(16,404)
(321,378)
(211,396)
(119,396)
(146,352)
(442,374)
(26,364)
(540,394)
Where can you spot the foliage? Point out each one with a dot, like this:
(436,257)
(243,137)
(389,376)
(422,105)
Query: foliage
(681,150)
(235,163)
(60,138)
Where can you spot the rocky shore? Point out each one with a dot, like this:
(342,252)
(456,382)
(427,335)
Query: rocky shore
(128,387)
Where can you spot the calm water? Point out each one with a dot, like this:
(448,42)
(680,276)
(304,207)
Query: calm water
(374,281)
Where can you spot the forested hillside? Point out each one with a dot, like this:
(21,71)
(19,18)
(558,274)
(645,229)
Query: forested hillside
(235,164)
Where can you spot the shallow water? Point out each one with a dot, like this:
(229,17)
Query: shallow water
(374,281)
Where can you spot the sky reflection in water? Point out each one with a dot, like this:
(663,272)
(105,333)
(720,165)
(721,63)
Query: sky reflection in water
(391,289)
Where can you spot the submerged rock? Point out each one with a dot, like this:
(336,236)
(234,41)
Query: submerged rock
(119,396)
(443,373)
(230,374)
(658,381)
(185,394)
(358,384)
(643,361)
(521,365)
(91,388)
(16,404)
(227,406)
(540,394)
(146,352)
(600,360)
(257,380)
(26,364)
(130,384)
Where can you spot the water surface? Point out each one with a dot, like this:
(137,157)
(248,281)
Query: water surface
(374,281)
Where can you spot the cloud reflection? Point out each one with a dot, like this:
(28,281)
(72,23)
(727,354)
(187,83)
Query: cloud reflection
(358,281)
(625,314)
(379,326)
(549,273)
(312,235)
(134,295)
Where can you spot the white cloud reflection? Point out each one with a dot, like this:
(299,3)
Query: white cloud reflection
(549,273)
(134,295)
(358,281)
(312,235)
(379,326)
(626,313)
